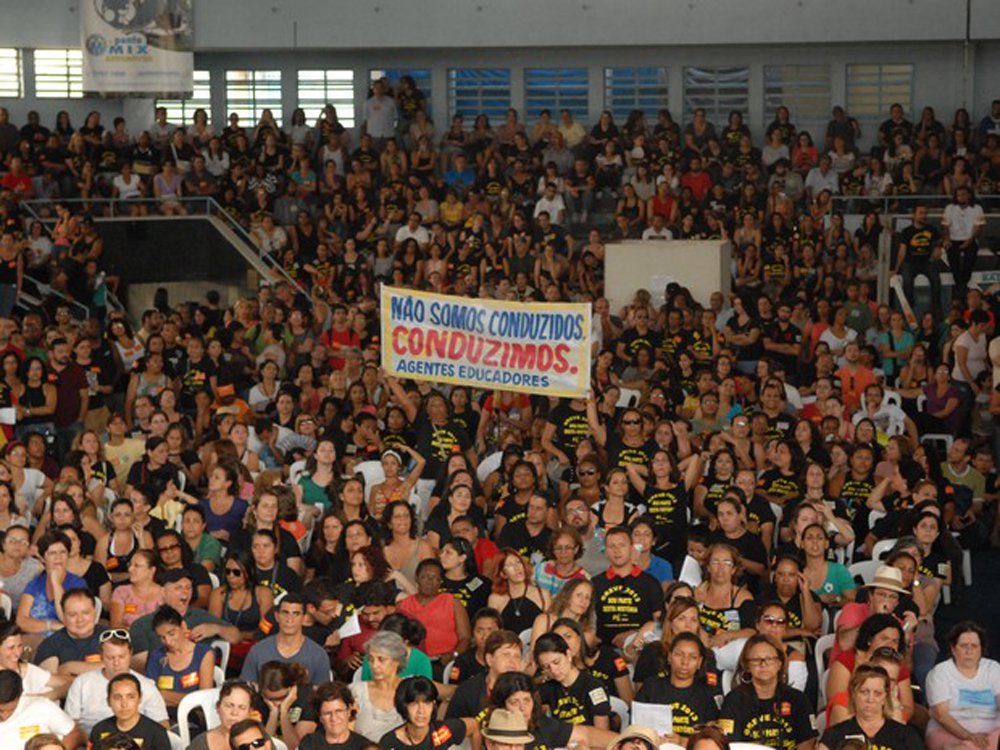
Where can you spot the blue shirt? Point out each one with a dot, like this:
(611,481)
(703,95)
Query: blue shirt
(42,607)
(660,569)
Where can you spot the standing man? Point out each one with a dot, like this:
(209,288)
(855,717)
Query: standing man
(380,115)
(72,394)
(918,249)
(962,223)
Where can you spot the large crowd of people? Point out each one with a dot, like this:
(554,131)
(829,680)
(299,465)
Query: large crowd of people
(752,518)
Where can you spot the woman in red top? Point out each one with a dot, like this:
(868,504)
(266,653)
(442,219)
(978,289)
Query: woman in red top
(448,630)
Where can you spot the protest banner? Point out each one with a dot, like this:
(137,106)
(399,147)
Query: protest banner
(532,347)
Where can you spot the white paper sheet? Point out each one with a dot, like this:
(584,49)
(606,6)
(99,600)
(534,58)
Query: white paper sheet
(657,717)
(351,627)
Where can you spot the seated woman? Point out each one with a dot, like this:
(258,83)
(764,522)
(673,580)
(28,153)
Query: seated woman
(725,607)
(116,550)
(601,660)
(838,708)
(179,666)
(805,613)
(413,634)
(830,581)
(416,701)
(473,662)
(141,595)
(877,631)
(962,693)
(686,691)
(241,601)
(36,681)
(772,619)
(444,617)
(574,601)
(514,596)
(288,711)
(39,613)
(515,691)
(761,708)
(561,563)
(870,694)
(680,615)
(335,709)
(236,700)
(375,698)
(571,694)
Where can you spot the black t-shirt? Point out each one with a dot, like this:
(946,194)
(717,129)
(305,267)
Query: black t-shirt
(470,700)
(691,706)
(773,482)
(465,667)
(668,509)
(279,579)
(748,545)
(195,377)
(66,648)
(472,592)
(625,603)
(634,341)
(620,454)
(549,734)
(579,703)
(443,734)
(781,722)
(437,444)
(147,733)
(515,535)
(652,663)
(608,667)
(317,741)
(571,427)
(919,242)
(892,736)
(287,546)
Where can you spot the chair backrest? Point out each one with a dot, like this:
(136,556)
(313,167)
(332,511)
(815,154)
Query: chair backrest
(525,636)
(203,699)
(424,489)
(295,471)
(446,677)
(881,548)
(620,707)
(176,743)
(628,397)
(357,674)
(690,571)
(373,473)
(222,650)
(218,675)
(6,605)
(865,570)
(278,744)
(823,646)
(874,517)
(727,681)
(488,465)
(891,397)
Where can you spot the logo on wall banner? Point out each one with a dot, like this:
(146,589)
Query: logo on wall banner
(137,47)
(528,347)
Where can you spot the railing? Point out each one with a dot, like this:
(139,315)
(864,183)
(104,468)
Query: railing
(46,290)
(198,205)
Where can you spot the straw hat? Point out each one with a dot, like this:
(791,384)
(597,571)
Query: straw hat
(635,732)
(889,578)
(508,727)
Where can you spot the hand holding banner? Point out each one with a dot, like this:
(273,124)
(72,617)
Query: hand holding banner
(529,347)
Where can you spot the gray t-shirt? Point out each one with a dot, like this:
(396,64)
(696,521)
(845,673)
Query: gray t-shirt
(13,586)
(144,639)
(311,655)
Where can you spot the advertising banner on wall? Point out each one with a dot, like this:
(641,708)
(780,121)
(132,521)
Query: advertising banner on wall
(530,347)
(137,47)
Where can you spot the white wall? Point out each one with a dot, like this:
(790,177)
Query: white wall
(367,24)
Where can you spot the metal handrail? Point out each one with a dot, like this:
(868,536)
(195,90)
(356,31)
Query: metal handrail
(211,207)
(48,289)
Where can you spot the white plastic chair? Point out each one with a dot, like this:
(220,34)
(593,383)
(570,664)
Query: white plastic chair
(941,441)
(865,569)
(882,548)
(214,579)
(727,681)
(690,571)
(747,746)
(295,471)
(6,605)
(218,675)
(488,465)
(423,490)
(874,517)
(620,707)
(223,649)
(206,701)
(891,397)
(824,644)
(357,674)
(525,636)
(176,743)
(278,744)
(372,472)
(628,397)
(446,677)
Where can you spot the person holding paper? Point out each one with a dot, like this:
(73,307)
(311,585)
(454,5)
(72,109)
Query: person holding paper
(686,692)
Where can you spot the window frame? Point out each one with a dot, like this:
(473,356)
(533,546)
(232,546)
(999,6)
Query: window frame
(52,85)
(250,110)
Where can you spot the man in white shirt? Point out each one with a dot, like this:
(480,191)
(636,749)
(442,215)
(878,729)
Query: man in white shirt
(551,203)
(961,225)
(380,115)
(86,701)
(412,230)
(22,717)
(658,230)
(822,178)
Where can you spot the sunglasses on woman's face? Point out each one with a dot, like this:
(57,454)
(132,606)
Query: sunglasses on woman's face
(233,572)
